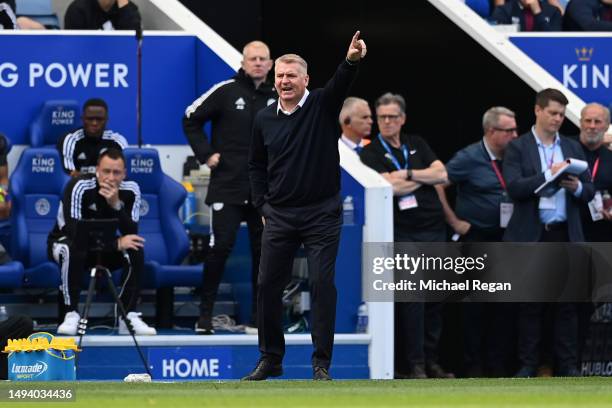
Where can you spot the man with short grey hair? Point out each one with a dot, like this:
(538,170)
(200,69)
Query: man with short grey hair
(294,167)
(356,122)
(482,211)
(594,122)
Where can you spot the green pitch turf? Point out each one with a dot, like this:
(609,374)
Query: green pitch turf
(546,392)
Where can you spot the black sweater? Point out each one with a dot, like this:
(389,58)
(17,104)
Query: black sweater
(294,159)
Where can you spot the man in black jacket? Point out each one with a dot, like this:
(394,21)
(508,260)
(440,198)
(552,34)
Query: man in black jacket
(79,149)
(588,15)
(105,195)
(294,166)
(102,15)
(529,161)
(231,106)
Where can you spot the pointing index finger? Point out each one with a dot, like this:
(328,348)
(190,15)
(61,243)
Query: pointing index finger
(356,36)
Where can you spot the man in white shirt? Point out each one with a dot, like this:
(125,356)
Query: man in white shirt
(356,122)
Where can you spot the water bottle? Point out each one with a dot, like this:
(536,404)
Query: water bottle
(362,318)
(190,205)
(3,313)
(348,211)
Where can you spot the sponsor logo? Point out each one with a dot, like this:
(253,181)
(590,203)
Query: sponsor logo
(29,370)
(144,207)
(41,164)
(586,74)
(42,206)
(141,165)
(63,117)
(59,75)
(240,104)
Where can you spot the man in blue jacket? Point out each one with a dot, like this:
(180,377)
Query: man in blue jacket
(588,15)
(531,15)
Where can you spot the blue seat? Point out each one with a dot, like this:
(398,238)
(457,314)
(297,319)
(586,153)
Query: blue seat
(11,275)
(39,10)
(167,242)
(480,7)
(36,187)
(56,118)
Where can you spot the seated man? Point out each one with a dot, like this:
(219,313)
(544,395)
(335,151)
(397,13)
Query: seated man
(104,195)
(102,15)
(79,150)
(588,15)
(531,15)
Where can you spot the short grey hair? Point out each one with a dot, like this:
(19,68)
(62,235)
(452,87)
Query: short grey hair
(490,119)
(293,59)
(605,110)
(256,44)
(348,108)
(391,98)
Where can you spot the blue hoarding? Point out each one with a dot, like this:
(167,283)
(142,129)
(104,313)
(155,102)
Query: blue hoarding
(582,64)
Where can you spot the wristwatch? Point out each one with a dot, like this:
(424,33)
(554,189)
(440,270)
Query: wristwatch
(408,174)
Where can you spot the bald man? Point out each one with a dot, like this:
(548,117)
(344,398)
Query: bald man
(230,106)
(356,122)
(594,122)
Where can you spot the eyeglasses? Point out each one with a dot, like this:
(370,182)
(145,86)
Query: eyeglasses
(508,130)
(383,118)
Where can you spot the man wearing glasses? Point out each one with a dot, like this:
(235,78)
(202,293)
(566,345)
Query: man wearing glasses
(412,168)
(481,214)
(79,150)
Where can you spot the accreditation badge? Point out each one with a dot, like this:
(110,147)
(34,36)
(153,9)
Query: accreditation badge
(596,207)
(407,202)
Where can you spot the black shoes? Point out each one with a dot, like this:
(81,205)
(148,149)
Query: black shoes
(434,370)
(320,374)
(265,368)
(416,372)
(204,326)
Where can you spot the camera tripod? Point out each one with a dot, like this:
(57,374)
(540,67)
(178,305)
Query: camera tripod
(101,271)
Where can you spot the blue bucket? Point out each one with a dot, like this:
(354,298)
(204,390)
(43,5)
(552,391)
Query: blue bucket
(42,365)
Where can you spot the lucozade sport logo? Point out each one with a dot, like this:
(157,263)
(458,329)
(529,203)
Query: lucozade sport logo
(29,370)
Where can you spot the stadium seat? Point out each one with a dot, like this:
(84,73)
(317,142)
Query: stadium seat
(166,242)
(481,7)
(56,118)
(38,10)
(36,187)
(11,275)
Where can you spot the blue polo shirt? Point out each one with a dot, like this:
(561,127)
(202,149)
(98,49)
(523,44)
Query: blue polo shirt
(479,192)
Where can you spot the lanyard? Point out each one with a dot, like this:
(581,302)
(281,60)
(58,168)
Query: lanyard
(498,174)
(552,157)
(595,168)
(392,157)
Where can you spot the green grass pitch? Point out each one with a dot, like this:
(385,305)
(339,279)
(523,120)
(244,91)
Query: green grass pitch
(544,392)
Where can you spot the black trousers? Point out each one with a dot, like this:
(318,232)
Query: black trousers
(564,326)
(489,328)
(15,327)
(75,265)
(225,224)
(418,326)
(317,227)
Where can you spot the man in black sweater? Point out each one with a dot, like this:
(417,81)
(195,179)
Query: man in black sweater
(294,168)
